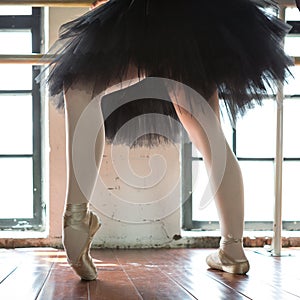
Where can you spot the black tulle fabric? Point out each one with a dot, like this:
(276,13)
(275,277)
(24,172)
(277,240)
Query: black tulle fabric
(155,118)
(232,45)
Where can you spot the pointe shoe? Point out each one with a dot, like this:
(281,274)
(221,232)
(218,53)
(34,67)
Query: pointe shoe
(221,261)
(79,218)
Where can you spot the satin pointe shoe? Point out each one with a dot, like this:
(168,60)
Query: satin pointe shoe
(79,218)
(223,262)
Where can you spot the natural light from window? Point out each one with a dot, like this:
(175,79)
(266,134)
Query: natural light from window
(255,137)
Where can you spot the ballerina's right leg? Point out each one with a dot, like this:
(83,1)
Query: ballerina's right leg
(80,224)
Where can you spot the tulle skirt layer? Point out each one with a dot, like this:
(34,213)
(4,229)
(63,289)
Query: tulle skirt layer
(229,45)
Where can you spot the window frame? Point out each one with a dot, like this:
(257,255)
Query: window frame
(187,159)
(34,23)
(187,186)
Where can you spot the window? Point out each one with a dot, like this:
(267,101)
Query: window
(254,142)
(20,122)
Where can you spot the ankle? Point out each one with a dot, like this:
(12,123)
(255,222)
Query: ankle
(76,207)
(233,247)
(229,239)
(76,214)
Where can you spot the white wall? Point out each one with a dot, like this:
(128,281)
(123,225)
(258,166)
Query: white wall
(131,217)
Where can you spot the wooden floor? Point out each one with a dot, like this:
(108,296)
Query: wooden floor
(43,273)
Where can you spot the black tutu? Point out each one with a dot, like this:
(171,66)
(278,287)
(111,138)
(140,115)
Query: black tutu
(135,120)
(230,45)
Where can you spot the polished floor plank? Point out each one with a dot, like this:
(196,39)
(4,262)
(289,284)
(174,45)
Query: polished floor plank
(27,279)
(113,286)
(154,284)
(8,264)
(113,282)
(141,273)
(188,269)
(44,274)
(63,284)
(263,281)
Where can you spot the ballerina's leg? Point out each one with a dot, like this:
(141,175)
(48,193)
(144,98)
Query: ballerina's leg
(229,198)
(79,223)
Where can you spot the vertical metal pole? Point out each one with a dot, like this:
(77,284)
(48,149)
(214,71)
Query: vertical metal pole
(277,225)
(186,187)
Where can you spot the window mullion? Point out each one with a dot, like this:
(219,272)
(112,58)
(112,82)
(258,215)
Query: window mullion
(15,22)
(36,114)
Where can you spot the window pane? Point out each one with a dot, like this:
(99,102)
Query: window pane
(291,125)
(15,77)
(16,195)
(259,190)
(291,191)
(16,124)
(293,86)
(292,45)
(10,42)
(256,132)
(15,10)
(292,14)
(195,152)
(225,122)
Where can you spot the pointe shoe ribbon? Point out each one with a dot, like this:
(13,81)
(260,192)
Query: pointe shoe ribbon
(79,218)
